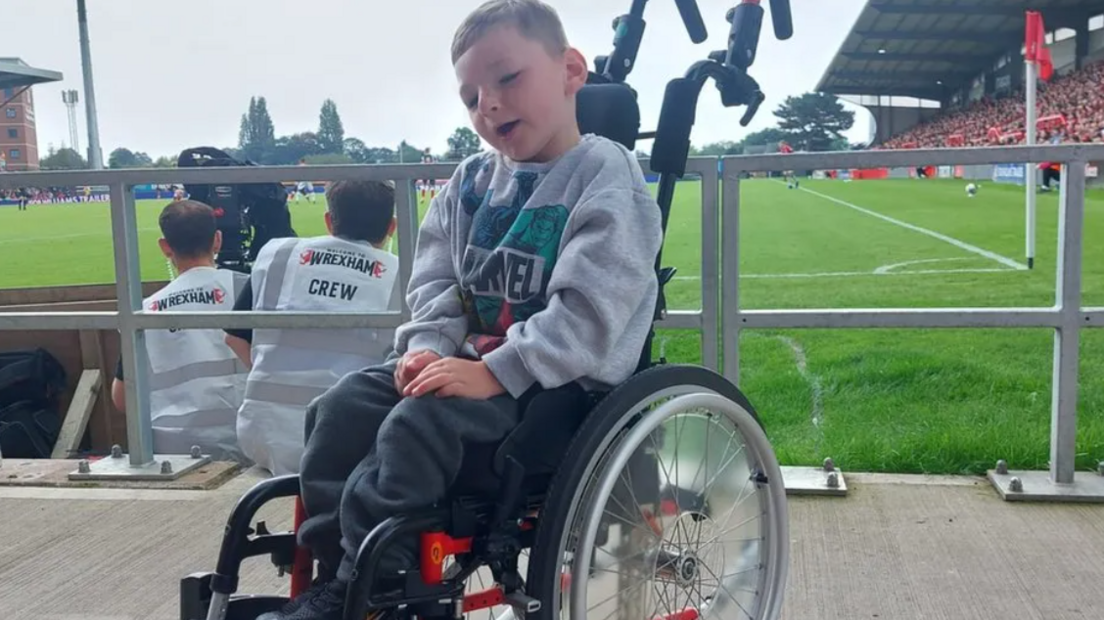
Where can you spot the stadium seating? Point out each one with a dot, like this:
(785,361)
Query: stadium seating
(1071,109)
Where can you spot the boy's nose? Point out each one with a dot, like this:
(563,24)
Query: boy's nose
(488,104)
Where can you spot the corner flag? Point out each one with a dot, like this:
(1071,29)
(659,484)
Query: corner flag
(1035,49)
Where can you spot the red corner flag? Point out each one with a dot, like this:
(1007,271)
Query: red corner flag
(1035,49)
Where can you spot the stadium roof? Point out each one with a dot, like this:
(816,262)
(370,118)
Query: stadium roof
(930,48)
(14,73)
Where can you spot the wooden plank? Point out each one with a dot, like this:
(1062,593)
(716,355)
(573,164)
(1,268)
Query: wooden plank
(76,419)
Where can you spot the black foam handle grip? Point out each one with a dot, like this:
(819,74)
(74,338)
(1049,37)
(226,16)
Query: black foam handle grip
(782,18)
(691,16)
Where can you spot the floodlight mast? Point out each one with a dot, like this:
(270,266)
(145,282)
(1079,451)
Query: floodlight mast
(95,154)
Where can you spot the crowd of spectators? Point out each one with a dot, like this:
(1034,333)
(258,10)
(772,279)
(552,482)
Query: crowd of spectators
(1070,109)
(51,195)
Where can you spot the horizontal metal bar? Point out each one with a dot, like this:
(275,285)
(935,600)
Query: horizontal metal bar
(900,318)
(910,158)
(259,174)
(229,174)
(199,320)
(681,319)
(1093,317)
(20,321)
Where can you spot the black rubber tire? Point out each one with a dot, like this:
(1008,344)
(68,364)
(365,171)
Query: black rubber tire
(543,582)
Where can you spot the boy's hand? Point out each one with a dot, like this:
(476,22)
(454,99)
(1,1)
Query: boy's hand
(411,364)
(456,377)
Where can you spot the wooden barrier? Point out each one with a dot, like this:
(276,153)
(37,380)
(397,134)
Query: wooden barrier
(78,351)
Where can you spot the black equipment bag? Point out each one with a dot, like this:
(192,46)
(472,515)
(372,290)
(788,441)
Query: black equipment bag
(249,215)
(31,385)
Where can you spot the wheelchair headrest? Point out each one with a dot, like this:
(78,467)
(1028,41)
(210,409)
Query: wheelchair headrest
(610,111)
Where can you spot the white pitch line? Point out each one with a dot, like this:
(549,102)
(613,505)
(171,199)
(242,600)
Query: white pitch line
(853,274)
(1004,260)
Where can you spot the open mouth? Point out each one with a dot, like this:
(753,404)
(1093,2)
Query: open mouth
(505,129)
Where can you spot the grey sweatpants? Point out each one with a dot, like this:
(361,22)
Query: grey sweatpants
(371,454)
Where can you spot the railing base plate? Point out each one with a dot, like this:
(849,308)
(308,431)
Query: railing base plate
(1036,486)
(120,468)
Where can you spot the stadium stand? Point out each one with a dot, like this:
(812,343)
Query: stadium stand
(952,74)
(1071,109)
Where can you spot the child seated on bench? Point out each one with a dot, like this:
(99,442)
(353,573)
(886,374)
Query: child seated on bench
(534,268)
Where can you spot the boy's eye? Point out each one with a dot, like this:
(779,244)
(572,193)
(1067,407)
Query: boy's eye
(471,103)
(509,78)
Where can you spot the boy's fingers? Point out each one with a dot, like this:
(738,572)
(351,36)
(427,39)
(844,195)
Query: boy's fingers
(428,375)
(430,384)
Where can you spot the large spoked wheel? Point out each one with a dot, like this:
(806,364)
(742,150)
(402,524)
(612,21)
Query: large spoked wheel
(670,505)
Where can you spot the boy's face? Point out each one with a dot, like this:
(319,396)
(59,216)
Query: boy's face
(520,98)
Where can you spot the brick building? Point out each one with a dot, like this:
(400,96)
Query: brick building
(18,138)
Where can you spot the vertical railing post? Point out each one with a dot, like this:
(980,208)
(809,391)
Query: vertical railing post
(128,288)
(710,265)
(1067,293)
(407,214)
(730,269)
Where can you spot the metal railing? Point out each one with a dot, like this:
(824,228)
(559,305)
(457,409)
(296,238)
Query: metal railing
(719,286)
(1066,317)
(131,320)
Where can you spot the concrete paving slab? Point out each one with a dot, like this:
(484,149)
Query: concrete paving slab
(896,548)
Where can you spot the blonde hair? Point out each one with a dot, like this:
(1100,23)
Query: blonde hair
(533,19)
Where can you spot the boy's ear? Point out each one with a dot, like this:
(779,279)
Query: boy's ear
(165,249)
(577,71)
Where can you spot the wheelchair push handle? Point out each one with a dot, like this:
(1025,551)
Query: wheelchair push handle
(692,19)
(629,31)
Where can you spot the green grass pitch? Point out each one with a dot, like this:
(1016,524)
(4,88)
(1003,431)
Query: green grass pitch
(935,401)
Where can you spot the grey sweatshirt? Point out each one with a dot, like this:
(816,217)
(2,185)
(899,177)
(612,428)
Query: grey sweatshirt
(543,271)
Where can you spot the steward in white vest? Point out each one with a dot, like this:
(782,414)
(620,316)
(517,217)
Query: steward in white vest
(345,272)
(196,383)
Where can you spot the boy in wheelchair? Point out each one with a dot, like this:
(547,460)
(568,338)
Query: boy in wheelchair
(534,269)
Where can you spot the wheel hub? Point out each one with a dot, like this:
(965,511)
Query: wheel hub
(687,569)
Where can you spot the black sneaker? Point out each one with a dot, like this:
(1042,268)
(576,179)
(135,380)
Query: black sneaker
(324,601)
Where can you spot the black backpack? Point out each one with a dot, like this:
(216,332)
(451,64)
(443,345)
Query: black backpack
(31,385)
(249,215)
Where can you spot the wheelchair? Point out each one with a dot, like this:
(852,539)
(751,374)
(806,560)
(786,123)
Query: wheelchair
(659,499)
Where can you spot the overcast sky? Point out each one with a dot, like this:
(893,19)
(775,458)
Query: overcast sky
(175,74)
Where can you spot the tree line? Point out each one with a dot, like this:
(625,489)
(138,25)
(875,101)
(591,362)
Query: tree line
(809,122)
(258,142)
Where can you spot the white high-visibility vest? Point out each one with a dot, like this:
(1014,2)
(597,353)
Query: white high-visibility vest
(196,382)
(292,367)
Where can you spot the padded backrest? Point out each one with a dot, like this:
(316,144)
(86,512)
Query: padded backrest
(610,111)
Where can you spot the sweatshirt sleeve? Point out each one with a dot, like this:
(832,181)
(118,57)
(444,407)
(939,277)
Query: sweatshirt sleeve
(437,320)
(603,285)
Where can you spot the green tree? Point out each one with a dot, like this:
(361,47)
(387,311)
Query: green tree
(356,150)
(164,162)
(290,149)
(256,133)
(62,159)
(717,149)
(814,120)
(463,143)
(410,154)
(770,136)
(331,133)
(125,158)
